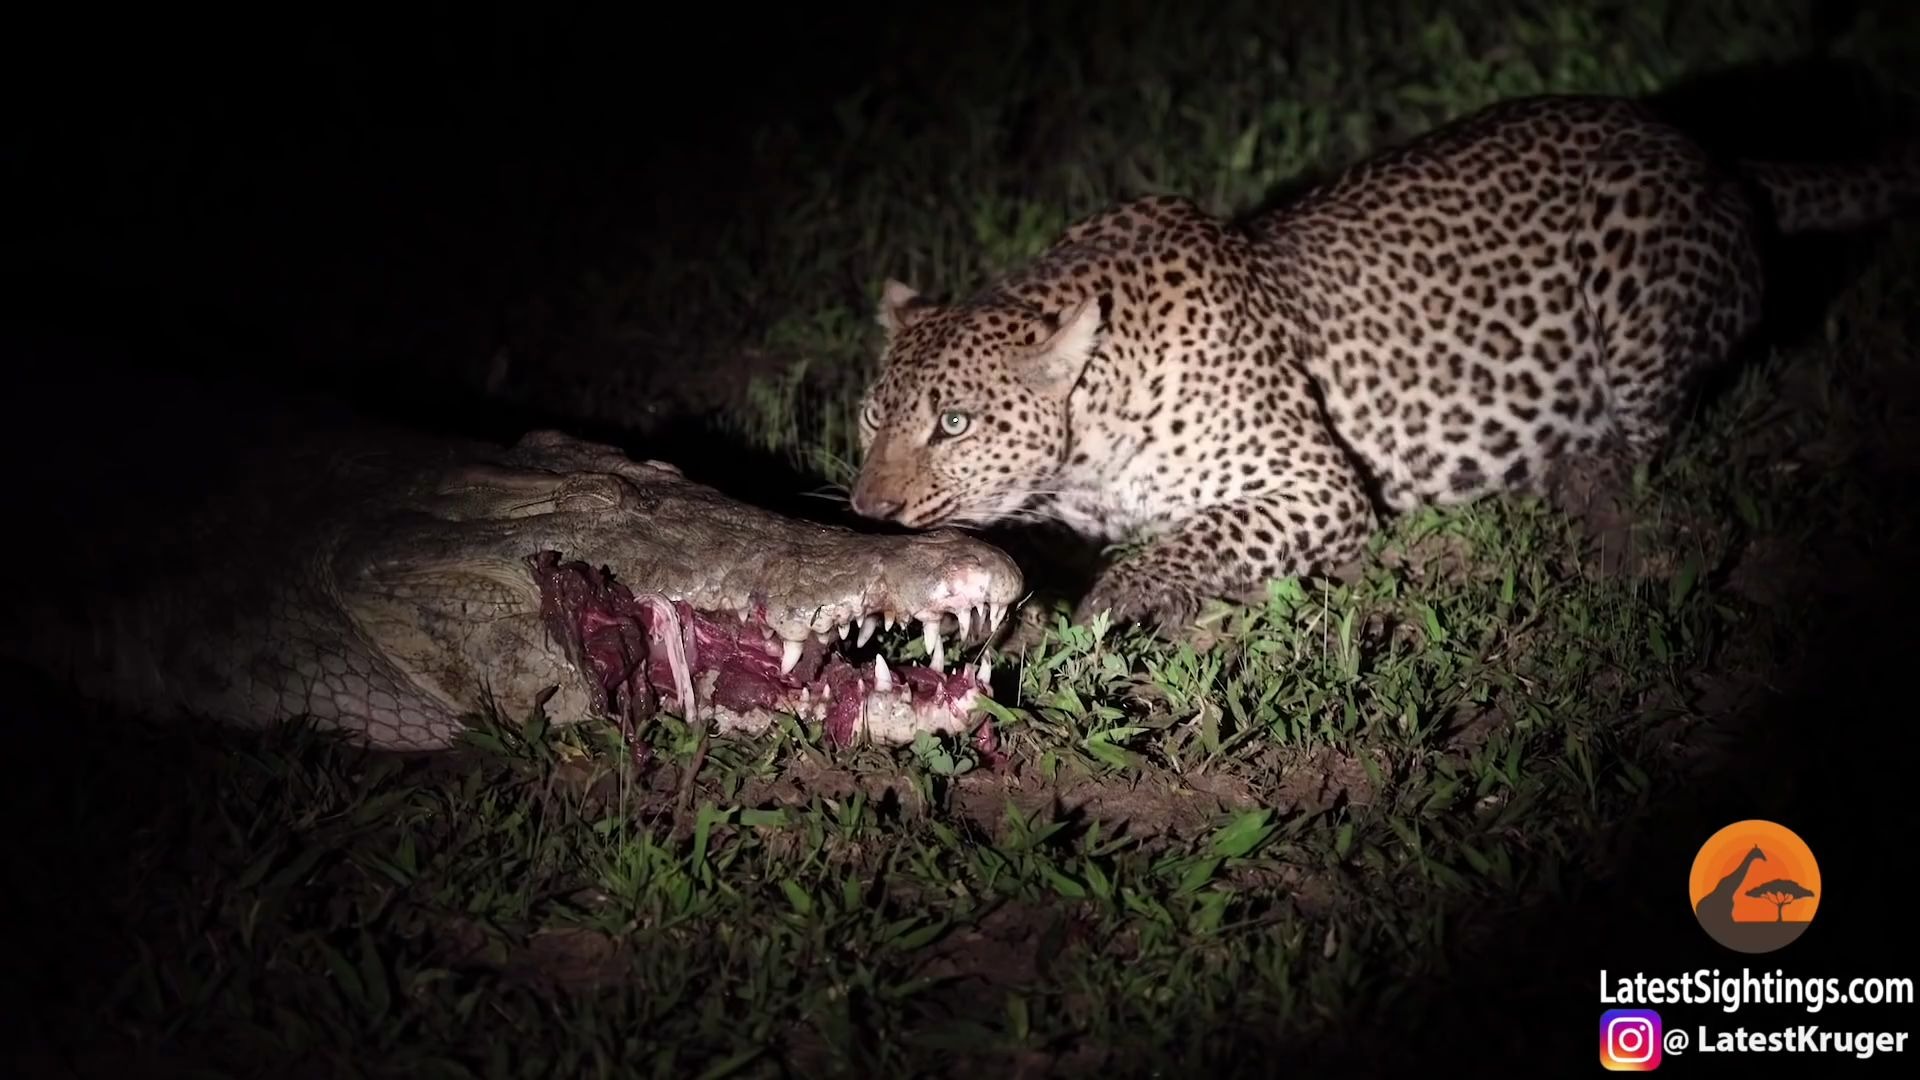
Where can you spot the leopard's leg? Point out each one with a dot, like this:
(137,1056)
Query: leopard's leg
(1671,277)
(1232,551)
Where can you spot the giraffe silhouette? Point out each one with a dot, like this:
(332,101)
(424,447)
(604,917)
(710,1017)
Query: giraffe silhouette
(1716,908)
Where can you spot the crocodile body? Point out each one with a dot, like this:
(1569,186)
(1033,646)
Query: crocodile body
(253,561)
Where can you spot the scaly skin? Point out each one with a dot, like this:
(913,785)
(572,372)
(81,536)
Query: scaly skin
(255,564)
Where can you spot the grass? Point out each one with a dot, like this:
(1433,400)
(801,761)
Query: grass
(1279,835)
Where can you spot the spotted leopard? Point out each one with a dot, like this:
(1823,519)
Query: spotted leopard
(1528,288)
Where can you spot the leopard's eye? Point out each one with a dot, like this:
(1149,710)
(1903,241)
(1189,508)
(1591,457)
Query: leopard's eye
(870,415)
(953,423)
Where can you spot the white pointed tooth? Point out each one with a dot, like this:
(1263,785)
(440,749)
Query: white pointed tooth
(845,627)
(867,626)
(789,656)
(995,613)
(930,634)
(882,678)
(889,618)
(939,656)
(965,615)
(985,673)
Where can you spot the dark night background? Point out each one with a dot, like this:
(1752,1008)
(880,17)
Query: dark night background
(323,201)
(230,186)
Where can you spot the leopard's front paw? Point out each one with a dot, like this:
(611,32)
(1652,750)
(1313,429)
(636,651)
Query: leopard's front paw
(1029,628)
(1168,608)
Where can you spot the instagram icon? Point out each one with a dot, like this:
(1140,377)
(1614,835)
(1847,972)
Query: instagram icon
(1630,1040)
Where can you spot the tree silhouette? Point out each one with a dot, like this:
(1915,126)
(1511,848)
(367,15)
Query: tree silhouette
(1780,892)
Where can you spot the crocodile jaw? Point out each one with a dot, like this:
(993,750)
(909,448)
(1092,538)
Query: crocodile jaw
(641,652)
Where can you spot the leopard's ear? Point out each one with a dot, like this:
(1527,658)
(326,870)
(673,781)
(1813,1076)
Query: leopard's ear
(901,305)
(1054,364)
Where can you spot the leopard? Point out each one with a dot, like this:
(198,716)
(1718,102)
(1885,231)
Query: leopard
(1513,301)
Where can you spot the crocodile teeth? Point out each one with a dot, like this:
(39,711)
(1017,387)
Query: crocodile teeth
(930,633)
(882,678)
(844,628)
(986,671)
(995,613)
(965,615)
(789,656)
(867,626)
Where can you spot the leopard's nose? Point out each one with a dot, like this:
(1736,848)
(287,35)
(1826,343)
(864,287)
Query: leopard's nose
(880,509)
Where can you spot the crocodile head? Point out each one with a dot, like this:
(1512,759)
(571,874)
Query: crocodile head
(652,590)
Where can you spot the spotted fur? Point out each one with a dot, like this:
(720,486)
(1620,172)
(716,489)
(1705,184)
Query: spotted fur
(1534,285)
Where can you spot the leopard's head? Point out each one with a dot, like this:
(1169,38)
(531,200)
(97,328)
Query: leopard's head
(967,419)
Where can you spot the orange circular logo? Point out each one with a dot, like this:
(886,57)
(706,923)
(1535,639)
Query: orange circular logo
(1755,886)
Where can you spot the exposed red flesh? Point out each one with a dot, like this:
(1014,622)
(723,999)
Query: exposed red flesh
(987,742)
(616,636)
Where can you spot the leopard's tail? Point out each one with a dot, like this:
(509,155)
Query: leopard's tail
(1833,198)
